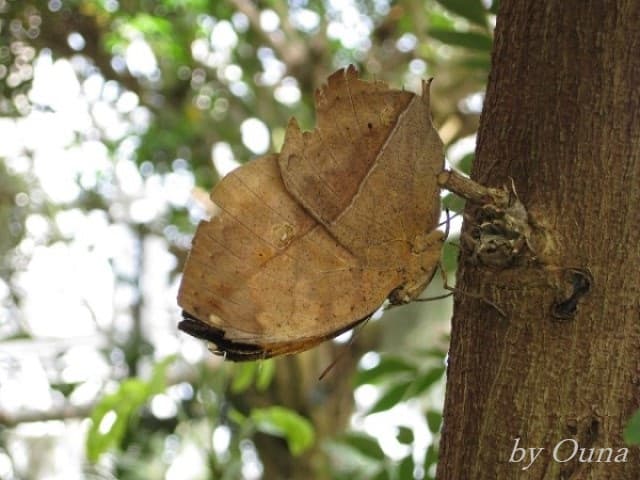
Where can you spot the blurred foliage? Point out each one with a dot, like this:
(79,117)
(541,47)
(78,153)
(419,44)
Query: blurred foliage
(117,412)
(399,378)
(211,65)
(13,203)
(280,421)
(245,374)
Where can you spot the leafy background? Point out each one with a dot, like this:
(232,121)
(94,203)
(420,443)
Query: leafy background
(117,117)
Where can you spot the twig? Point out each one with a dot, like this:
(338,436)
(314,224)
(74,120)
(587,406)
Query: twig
(63,412)
(69,411)
(472,191)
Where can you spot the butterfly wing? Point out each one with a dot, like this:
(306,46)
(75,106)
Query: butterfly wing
(265,278)
(368,171)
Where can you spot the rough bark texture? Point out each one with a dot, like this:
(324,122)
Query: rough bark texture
(562,118)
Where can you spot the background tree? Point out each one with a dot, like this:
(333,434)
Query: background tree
(560,119)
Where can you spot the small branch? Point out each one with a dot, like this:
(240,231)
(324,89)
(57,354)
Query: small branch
(69,411)
(502,233)
(472,191)
(63,412)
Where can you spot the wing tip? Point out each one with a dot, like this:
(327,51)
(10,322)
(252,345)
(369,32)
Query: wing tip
(230,350)
(426,90)
(346,74)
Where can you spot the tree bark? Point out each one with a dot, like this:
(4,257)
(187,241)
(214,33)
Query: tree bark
(562,119)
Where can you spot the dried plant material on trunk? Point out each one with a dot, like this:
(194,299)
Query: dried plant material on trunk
(310,242)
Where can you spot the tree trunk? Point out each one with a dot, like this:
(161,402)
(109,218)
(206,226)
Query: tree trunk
(562,119)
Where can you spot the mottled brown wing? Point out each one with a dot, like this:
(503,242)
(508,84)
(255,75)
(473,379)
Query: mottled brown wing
(265,278)
(368,171)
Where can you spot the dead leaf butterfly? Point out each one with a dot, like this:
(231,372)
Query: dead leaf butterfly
(309,242)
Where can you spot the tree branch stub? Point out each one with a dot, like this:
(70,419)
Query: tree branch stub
(501,231)
(503,235)
(472,191)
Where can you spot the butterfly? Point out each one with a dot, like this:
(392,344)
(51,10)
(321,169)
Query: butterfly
(308,243)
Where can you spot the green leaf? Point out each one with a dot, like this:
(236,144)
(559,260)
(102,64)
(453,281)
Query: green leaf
(264,375)
(470,40)
(115,412)
(405,469)
(434,420)
(438,18)
(465,163)
(243,374)
(430,459)
(383,474)
(495,5)
(65,388)
(392,396)
(405,435)
(159,32)
(453,202)
(282,422)
(426,380)
(236,416)
(198,5)
(481,63)
(364,445)
(111,416)
(18,335)
(158,380)
(389,366)
(150,25)
(434,352)
(472,10)
(450,257)
(631,433)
